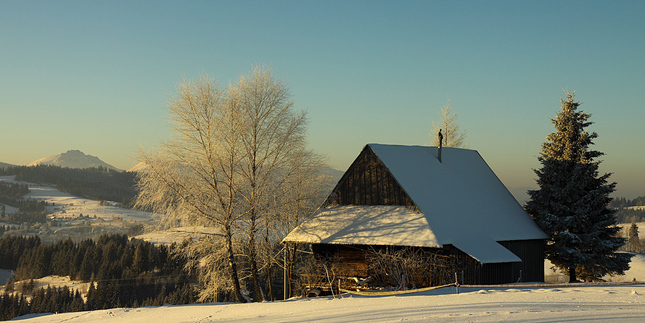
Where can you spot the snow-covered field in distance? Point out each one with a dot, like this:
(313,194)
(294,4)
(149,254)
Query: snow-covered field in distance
(636,272)
(53,281)
(65,205)
(625,227)
(176,235)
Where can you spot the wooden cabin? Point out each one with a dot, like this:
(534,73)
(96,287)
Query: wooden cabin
(444,205)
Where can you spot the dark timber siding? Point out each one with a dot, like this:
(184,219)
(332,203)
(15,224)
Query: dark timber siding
(368,182)
(532,266)
(532,254)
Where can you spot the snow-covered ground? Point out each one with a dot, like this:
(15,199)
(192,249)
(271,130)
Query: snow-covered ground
(516,304)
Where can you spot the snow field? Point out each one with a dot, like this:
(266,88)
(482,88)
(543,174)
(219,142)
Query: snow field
(65,205)
(176,235)
(69,206)
(516,303)
(606,303)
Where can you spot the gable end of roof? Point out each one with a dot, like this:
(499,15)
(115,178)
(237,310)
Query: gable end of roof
(368,181)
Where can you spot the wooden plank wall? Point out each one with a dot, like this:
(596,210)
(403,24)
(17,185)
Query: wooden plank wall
(368,182)
(532,254)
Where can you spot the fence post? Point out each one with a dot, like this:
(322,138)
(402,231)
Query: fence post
(457,282)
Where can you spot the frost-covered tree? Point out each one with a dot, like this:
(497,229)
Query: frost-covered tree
(452,134)
(272,135)
(303,193)
(571,204)
(227,166)
(192,178)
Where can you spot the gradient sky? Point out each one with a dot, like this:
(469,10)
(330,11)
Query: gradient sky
(96,75)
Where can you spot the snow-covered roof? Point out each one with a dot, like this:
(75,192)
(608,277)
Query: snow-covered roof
(363,224)
(462,203)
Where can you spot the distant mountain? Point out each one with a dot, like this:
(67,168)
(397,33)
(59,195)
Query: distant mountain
(138,167)
(73,159)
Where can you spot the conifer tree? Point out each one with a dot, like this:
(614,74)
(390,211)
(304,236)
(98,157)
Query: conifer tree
(634,242)
(91,297)
(571,204)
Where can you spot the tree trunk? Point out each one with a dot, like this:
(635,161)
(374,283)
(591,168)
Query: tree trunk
(253,261)
(233,265)
(270,263)
(270,283)
(292,263)
(572,274)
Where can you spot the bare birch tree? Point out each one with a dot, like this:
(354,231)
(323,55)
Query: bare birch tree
(193,177)
(272,135)
(234,154)
(453,136)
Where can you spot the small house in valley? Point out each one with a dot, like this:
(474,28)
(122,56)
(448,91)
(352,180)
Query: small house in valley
(444,205)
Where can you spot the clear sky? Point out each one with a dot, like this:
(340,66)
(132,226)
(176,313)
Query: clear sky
(96,75)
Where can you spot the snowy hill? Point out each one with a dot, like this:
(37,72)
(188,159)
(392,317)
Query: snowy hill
(138,167)
(73,159)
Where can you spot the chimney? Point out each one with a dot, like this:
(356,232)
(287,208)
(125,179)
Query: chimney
(440,144)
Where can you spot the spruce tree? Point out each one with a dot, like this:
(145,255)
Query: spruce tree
(571,204)
(634,241)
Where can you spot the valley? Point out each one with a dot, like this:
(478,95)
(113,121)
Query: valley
(75,217)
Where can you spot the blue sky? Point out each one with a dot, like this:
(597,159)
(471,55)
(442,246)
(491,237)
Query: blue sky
(96,75)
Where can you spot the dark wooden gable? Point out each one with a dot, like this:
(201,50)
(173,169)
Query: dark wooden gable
(368,182)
